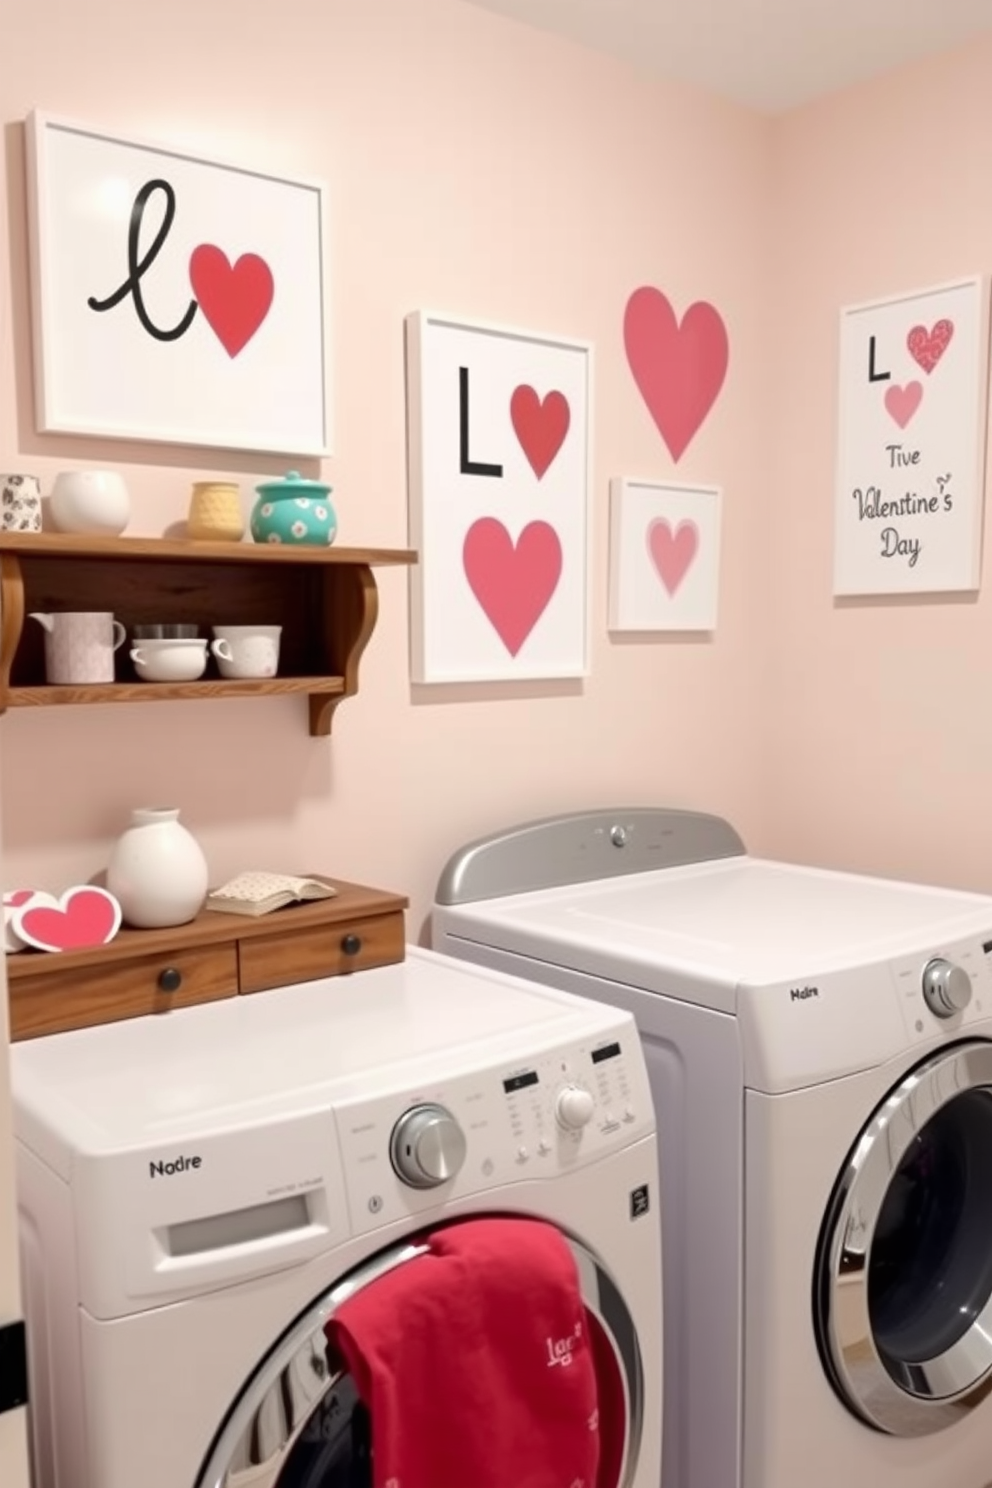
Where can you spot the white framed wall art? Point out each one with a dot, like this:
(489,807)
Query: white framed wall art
(664,556)
(175,298)
(910,462)
(498,426)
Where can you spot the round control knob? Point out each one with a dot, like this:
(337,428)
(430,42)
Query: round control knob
(946,988)
(427,1146)
(573,1107)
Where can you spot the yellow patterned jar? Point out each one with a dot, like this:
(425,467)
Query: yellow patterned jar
(215,512)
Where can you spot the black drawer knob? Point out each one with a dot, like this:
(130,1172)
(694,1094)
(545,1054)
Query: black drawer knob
(170,980)
(351,944)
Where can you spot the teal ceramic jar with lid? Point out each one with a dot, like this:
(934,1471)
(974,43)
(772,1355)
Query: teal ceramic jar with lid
(294,510)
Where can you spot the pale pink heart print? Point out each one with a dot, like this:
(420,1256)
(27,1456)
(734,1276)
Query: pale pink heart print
(672,552)
(902,402)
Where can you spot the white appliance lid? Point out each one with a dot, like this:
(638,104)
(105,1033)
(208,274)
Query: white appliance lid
(737,920)
(236,1062)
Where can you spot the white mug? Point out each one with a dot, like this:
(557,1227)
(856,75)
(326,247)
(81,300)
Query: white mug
(247,650)
(80,645)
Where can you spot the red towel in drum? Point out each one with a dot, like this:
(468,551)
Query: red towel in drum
(474,1361)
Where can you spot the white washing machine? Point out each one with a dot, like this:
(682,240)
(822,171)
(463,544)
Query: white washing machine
(199,1193)
(819,1047)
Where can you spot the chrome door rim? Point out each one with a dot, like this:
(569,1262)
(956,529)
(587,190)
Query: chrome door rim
(904,1400)
(297,1347)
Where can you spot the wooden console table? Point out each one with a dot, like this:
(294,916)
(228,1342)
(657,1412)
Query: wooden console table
(214,956)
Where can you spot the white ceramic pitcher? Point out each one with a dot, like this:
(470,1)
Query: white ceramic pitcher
(80,645)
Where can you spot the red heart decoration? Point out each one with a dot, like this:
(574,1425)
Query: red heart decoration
(512,582)
(234,298)
(672,552)
(84,916)
(679,369)
(927,347)
(539,426)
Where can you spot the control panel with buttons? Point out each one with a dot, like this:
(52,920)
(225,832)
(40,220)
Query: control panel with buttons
(568,1106)
(949,988)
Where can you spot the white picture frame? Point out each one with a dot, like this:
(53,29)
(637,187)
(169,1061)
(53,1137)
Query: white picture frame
(909,483)
(664,556)
(175,298)
(499,501)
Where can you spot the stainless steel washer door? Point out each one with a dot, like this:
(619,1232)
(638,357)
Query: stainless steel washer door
(903,1281)
(298,1423)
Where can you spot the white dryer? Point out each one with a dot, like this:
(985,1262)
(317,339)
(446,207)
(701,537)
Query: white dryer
(199,1193)
(819,1047)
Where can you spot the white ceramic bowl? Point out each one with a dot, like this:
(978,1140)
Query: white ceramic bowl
(170,661)
(90,501)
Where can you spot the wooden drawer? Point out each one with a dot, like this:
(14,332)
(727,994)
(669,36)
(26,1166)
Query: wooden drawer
(326,950)
(53,1002)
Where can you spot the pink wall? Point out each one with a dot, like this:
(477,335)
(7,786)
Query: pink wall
(879,746)
(477,167)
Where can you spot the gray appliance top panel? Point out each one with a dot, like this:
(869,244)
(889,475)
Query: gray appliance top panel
(582,847)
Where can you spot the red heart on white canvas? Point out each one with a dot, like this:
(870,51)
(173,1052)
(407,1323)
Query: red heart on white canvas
(539,424)
(513,582)
(672,552)
(12,902)
(902,402)
(927,347)
(84,916)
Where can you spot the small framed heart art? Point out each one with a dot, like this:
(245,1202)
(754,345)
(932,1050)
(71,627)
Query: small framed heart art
(82,917)
(226,344)
(664,556)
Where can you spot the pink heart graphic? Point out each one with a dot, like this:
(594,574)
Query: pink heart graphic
(672,552)
(84,916)
(14,900)
(927,347)
(679,369)
(234,298)
(512,582)
(539,426)
(902,402)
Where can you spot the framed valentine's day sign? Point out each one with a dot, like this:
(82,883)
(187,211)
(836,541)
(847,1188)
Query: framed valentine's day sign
(664,556)
(910,467)
(498,424)
(175,298)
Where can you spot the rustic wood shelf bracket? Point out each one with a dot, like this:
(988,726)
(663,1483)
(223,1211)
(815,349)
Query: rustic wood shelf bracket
(11,619)
(351,607)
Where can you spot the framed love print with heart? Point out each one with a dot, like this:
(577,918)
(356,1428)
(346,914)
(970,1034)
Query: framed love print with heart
(175,298)
(498,500)
(664,556)
(909,482)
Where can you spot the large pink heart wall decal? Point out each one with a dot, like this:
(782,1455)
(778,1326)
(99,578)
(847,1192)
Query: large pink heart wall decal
(235,298)
(672,552)
(84,916)
(927,347)
(679,368)
(513,582)
(540,426)
(902,402)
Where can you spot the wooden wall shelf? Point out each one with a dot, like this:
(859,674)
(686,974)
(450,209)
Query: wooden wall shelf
(214,956)
(325,599)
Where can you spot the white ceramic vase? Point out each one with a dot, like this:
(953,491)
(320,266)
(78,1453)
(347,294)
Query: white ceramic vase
(157,871)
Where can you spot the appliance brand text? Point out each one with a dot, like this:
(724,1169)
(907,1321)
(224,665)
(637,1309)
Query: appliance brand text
(178,1165)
